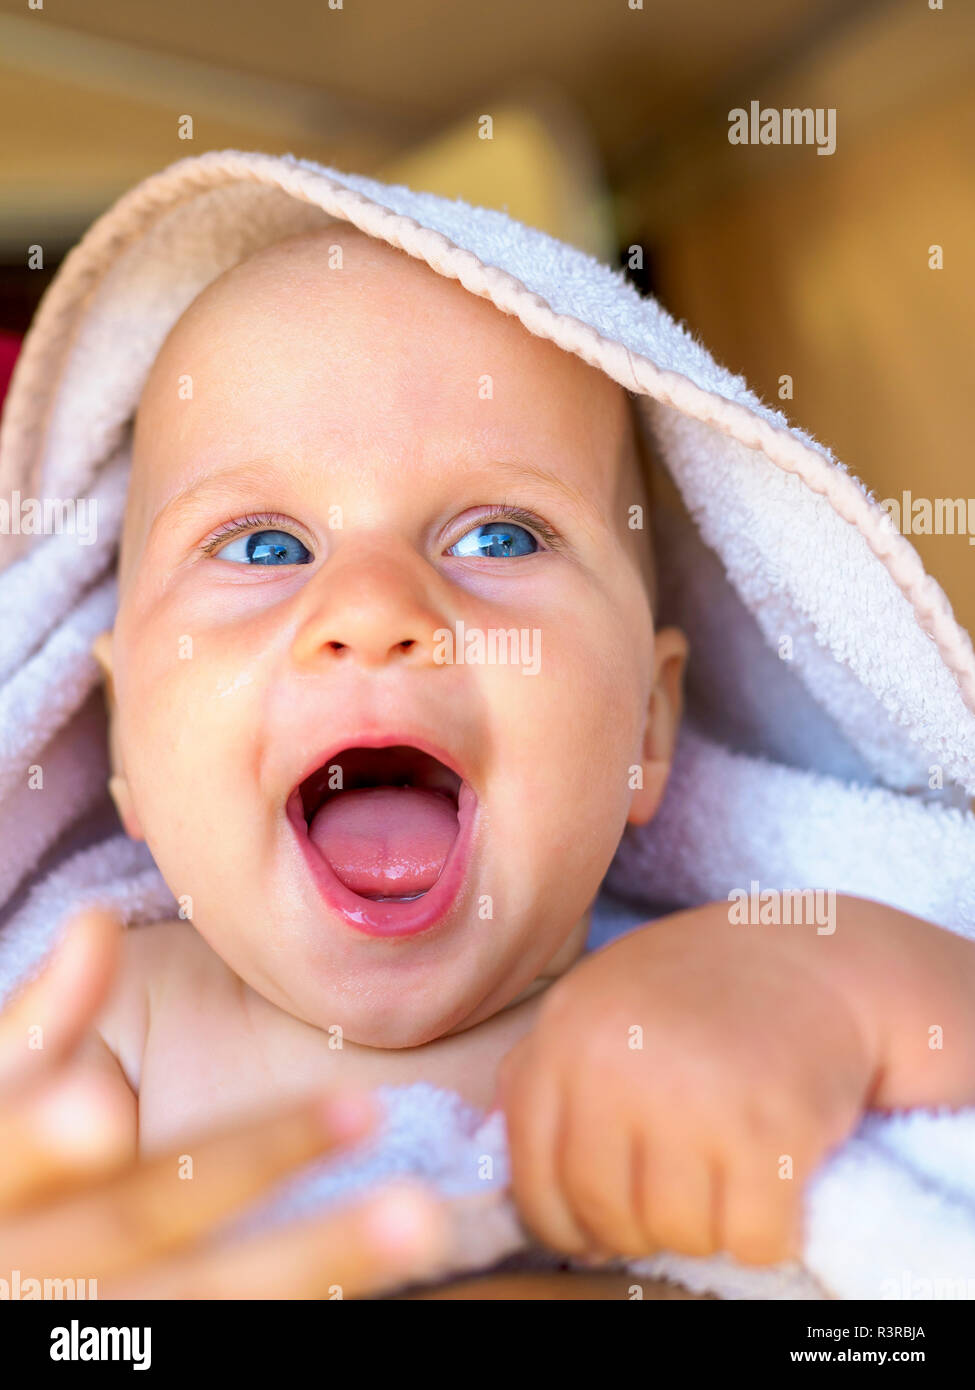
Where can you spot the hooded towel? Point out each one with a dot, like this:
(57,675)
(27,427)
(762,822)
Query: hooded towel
(829,737)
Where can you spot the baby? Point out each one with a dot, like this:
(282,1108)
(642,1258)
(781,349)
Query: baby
(385,858)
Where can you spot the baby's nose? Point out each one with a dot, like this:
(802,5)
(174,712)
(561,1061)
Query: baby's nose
(371,609)
(372,649)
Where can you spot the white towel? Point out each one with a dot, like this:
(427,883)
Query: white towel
(830,687)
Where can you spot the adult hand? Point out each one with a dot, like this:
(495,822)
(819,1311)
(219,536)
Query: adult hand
(75,1203)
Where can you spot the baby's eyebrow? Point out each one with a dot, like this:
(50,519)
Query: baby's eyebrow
(552,483)
(236,485)
(232,485)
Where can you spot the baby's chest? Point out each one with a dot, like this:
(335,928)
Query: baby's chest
(203,1069)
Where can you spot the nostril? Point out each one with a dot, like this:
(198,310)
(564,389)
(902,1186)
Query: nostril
(406,645)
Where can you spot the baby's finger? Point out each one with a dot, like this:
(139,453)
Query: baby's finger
(596,1174)
(761,1212)
(50,1015)
(70,1134)
(533,1115)
(163,1203)
(399,1237)
(677,1199)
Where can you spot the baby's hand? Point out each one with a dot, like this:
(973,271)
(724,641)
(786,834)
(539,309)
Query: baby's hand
(679,1088)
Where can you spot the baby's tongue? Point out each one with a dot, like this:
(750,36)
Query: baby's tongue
(386,841)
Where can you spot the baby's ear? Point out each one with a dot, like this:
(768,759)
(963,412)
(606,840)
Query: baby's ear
(118,787)
(101,650)
(663,722)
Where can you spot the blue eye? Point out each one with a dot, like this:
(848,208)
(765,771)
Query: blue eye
(495,540)
(266,548)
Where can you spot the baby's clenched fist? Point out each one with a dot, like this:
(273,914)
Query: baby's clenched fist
(679,1088)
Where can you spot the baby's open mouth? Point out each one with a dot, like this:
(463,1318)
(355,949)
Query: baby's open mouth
(384,819)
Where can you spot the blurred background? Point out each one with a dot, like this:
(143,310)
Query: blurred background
(610,130)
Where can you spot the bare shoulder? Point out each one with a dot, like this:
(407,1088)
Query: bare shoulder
(159,949)
(154,956)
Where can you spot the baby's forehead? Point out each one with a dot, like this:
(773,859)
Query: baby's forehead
(352,286)
(338,289)
(342,268)
(368,367)
(319,320)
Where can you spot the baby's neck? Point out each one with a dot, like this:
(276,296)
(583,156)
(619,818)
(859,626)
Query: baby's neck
(563,961)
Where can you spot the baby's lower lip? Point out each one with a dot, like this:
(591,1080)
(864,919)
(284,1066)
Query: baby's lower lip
(400,916)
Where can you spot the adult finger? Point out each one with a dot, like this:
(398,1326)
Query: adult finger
(49,1015)
(400,1236)
(162,1203)
(64,1138)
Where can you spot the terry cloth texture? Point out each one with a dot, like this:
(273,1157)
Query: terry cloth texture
(828,676)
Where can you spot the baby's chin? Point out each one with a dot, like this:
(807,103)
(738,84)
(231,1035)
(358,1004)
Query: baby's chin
(382,992)
(391,1028)
(381,1013)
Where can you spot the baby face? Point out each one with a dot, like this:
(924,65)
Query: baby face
(313,562)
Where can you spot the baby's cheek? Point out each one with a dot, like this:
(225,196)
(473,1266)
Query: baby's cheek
(572,733)
(598,699)
(175,730)
(151,684)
